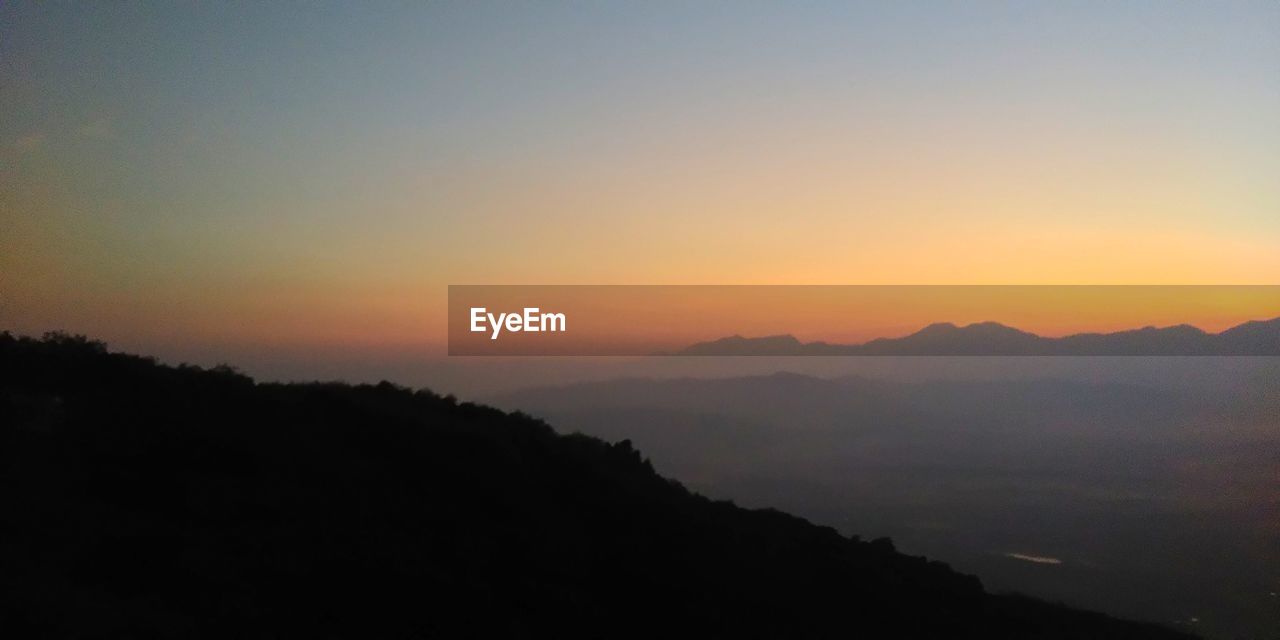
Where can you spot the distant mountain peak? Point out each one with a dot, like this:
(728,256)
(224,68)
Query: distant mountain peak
(938,327)
(991,324)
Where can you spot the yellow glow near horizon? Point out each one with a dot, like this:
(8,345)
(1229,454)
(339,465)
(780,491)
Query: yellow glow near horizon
(869,145)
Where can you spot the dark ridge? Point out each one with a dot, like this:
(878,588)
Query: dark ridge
(1254,338)
(146,501)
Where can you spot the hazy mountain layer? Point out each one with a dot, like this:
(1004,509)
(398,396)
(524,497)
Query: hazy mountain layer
(1255,338)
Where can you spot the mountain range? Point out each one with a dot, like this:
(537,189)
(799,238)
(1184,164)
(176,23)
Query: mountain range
(1254,338)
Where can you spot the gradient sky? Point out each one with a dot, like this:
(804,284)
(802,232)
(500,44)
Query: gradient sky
(248,174)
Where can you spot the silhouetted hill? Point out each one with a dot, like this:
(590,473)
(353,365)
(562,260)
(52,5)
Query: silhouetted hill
(1254,338)
(145,501)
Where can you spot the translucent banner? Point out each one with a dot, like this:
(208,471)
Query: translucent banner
(863,320)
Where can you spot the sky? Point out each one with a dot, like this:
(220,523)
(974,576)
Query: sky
(312,176)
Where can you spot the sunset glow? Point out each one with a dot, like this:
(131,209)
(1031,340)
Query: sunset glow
(325,189)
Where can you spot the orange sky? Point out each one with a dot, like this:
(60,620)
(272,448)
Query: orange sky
(263,187)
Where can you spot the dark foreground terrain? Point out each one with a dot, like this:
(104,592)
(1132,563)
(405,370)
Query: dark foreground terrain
(144,501)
